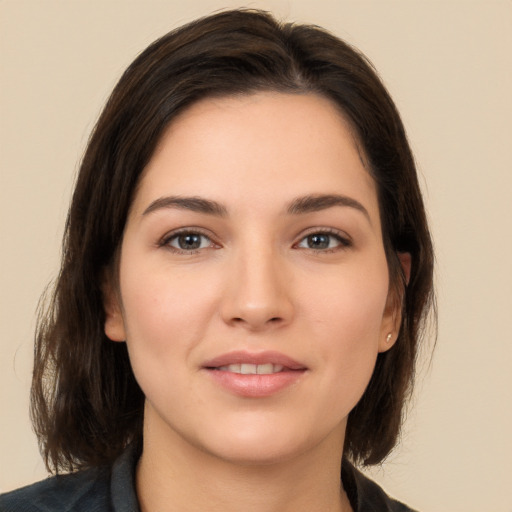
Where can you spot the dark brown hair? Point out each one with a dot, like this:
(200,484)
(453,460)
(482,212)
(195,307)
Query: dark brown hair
(86,404)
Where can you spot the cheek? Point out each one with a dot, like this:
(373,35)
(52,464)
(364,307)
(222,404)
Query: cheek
(351,304)
(159,335)
(169,309)
(347,318)
(165,318)
(159,304)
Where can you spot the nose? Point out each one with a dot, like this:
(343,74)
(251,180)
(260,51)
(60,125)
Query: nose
(258,295)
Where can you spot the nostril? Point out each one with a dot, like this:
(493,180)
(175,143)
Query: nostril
(240,320)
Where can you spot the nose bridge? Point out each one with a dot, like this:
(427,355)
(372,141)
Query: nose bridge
(259,291)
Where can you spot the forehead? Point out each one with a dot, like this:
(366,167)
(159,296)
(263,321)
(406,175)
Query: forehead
(258,147)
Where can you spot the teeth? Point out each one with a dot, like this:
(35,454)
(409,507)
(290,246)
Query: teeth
(267,369)
(253,369)
(248,369)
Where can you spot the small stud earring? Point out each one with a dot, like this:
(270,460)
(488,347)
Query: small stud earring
(388,338)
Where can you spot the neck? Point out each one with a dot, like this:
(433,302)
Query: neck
(173,475)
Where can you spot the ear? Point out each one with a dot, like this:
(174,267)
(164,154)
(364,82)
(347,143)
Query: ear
(392,318)
(390,322)
(114,321)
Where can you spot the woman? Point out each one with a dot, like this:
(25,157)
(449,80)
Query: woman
(246,273)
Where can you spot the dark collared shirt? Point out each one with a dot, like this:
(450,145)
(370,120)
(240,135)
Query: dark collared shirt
(113,490)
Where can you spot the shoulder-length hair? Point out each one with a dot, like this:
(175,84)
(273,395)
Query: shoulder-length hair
(86,405)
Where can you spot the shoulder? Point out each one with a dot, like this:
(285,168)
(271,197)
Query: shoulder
(365,495)
(82,491)
(109,489)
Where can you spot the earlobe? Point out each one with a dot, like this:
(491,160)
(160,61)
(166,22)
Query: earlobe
(114,321)
(388,341)
(392,319)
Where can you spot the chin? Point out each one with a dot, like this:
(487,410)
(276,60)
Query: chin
(253,447)
(251,455)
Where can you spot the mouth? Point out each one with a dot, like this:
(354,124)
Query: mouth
(254,363)
(254,375)
(252,369)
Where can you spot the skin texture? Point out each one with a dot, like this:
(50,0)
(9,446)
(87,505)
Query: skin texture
(256,281)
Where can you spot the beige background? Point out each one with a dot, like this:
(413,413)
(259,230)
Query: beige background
(447,64)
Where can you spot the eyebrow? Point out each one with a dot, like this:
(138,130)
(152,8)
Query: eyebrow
(315,203)
(195,204)
(300,205)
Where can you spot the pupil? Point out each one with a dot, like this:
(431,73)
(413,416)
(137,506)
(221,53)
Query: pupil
(318,241)
(189,241)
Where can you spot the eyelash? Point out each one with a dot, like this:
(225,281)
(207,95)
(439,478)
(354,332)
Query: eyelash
(344,242)
(167,239)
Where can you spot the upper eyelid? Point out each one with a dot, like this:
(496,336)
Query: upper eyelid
(327,231)
(343,235)
(180,231)
(344,241)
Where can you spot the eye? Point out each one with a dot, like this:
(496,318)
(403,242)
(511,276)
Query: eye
(323,241)
(187,241)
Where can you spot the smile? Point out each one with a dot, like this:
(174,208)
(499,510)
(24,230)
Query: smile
(253,363)
(252,369)
(254,375)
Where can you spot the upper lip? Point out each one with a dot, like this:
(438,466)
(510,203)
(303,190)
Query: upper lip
(245,357)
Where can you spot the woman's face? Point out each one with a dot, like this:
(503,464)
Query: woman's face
(253,284)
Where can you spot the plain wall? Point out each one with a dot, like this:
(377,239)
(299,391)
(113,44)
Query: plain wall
(448,66)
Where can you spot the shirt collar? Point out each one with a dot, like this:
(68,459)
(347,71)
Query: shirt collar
(122,484)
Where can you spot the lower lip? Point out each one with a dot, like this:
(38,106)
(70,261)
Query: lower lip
(255,386)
